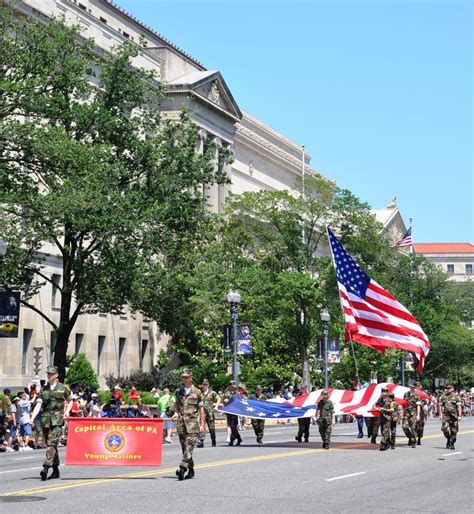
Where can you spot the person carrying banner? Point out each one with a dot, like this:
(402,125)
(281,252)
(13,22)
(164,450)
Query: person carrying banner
(258,424)
(394,419)
(51,398)
(325,418)
(211,402)
(411,414)
(303,423)
(188,413)
(420,424)
(232,419)
(450,412)
(383,406)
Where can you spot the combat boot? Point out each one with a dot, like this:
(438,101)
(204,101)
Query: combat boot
(373,440)
(190,474)
(44,473)
(413,444)
(55,473)
(326,446)
(448,443)
(213,438)
(392,446)
(259,440)
(180,473)
(418,442)
(453,440)
(298,438)
(383,447)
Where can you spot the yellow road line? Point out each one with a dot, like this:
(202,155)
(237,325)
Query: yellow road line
(257,458)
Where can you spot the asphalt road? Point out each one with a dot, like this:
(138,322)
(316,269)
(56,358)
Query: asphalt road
(280,476)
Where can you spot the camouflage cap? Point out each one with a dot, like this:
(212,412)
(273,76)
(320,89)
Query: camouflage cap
(324,393)
(52,369)
(187,373)
(205,382)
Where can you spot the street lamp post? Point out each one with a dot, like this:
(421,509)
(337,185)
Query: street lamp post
(325,317)
(234,299)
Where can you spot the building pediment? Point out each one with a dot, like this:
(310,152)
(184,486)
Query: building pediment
(209,88)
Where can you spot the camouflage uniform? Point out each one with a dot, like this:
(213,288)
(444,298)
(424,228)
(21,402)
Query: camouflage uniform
(420,424)
(52,418)
(409,417)
(210,399)
(450,403)
(187,406)
(258,424)
(383,406)
(326,412)
(394,417)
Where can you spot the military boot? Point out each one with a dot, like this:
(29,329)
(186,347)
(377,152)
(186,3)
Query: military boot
(326,446)
(448,443)
(298,438)
(418,441)
(213,438)
(373,439)
(413,444)
(453,440)
(55,473)
(180,473)
(190,474)
(383,447)
(44,473)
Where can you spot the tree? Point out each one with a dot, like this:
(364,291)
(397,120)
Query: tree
(269,246)
(88,166)
(81,372)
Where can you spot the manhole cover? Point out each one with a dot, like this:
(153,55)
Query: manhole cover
(19,499)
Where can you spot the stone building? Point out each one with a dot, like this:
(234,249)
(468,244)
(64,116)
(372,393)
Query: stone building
(264,159)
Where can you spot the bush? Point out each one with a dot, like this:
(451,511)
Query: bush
(81,372)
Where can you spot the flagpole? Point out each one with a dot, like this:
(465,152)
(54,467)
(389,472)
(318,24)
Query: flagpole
(302,190)
(342,307)
(411,281)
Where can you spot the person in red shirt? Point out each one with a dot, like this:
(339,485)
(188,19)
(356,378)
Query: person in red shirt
(134,395)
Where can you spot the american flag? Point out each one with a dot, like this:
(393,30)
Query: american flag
(373,317)
(358,402)
(406,240)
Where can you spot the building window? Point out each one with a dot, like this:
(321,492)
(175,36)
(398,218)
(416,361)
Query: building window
(78,343)
(83,7)
(103,20)
(143,350)
(450,268)
(100,350)
(125,34)
(27,333)
(468,269)
(122,341)
(56,281)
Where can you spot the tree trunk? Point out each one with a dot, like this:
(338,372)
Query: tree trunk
(305,366)
(60,350)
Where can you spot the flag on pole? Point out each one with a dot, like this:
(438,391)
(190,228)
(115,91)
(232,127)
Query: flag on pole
(406,239)
(372,316)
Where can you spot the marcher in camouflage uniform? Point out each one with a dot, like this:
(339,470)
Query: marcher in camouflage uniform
(211,401)
(420,424)
(325,418)
(450,411)
(232,419)
(394,420)
(303,423)
(258,424)
(51,398)
(383,405)
(188,414)
(411,414)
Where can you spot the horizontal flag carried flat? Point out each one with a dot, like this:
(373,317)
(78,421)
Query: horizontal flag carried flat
(359,403)
(406,240)
(372,316)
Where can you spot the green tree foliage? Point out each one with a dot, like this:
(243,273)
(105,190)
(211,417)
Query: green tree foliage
(89,168)
(81,372)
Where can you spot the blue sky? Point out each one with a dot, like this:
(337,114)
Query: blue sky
(379,92)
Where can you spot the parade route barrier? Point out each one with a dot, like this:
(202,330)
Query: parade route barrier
(114,442)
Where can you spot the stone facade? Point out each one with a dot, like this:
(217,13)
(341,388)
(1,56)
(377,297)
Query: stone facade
(264,159)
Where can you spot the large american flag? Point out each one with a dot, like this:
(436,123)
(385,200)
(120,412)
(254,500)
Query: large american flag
(359,402)
(406,240)
(372,316)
